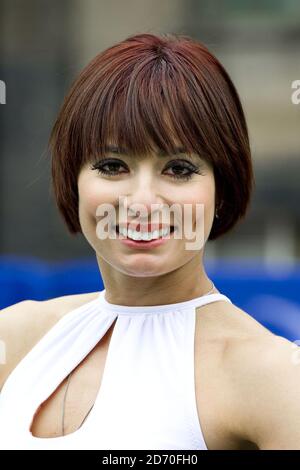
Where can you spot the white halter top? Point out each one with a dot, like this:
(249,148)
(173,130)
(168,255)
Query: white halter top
(147,396)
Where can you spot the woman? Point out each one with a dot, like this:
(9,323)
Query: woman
(152,122)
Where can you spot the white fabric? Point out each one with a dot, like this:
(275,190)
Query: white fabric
(147,395)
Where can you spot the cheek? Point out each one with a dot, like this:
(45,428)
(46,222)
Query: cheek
(203,215)
(91,195)
(203,192)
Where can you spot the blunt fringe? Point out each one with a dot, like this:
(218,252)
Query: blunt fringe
(141,93)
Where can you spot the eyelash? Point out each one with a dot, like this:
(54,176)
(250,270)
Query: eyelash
(99,167)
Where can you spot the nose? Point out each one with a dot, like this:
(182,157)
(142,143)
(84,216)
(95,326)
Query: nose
(143,200)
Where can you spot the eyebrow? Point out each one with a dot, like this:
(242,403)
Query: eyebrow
(122,151)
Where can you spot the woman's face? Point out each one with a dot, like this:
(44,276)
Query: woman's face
(182,181)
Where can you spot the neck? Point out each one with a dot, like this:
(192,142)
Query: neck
(187,282)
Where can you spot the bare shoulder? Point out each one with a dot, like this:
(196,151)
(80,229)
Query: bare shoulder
(259,366)
(59,306)
(248,342)
(23,324)
(229,326)
(228,338)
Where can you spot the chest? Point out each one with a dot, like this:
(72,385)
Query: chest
(69,405)
(71,409)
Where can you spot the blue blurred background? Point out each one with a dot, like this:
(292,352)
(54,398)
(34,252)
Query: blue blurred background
(43,47)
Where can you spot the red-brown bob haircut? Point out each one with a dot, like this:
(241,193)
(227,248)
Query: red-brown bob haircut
(139,94)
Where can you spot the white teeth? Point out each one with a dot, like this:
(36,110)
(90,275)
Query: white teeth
(134,235)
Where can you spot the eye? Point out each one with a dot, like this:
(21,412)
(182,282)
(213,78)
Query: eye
(183,166)
(113,163)
(183,170)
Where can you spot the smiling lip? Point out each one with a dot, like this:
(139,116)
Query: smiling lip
(145,228)
(142,244)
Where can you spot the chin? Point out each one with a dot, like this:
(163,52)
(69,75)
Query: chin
(144,269)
